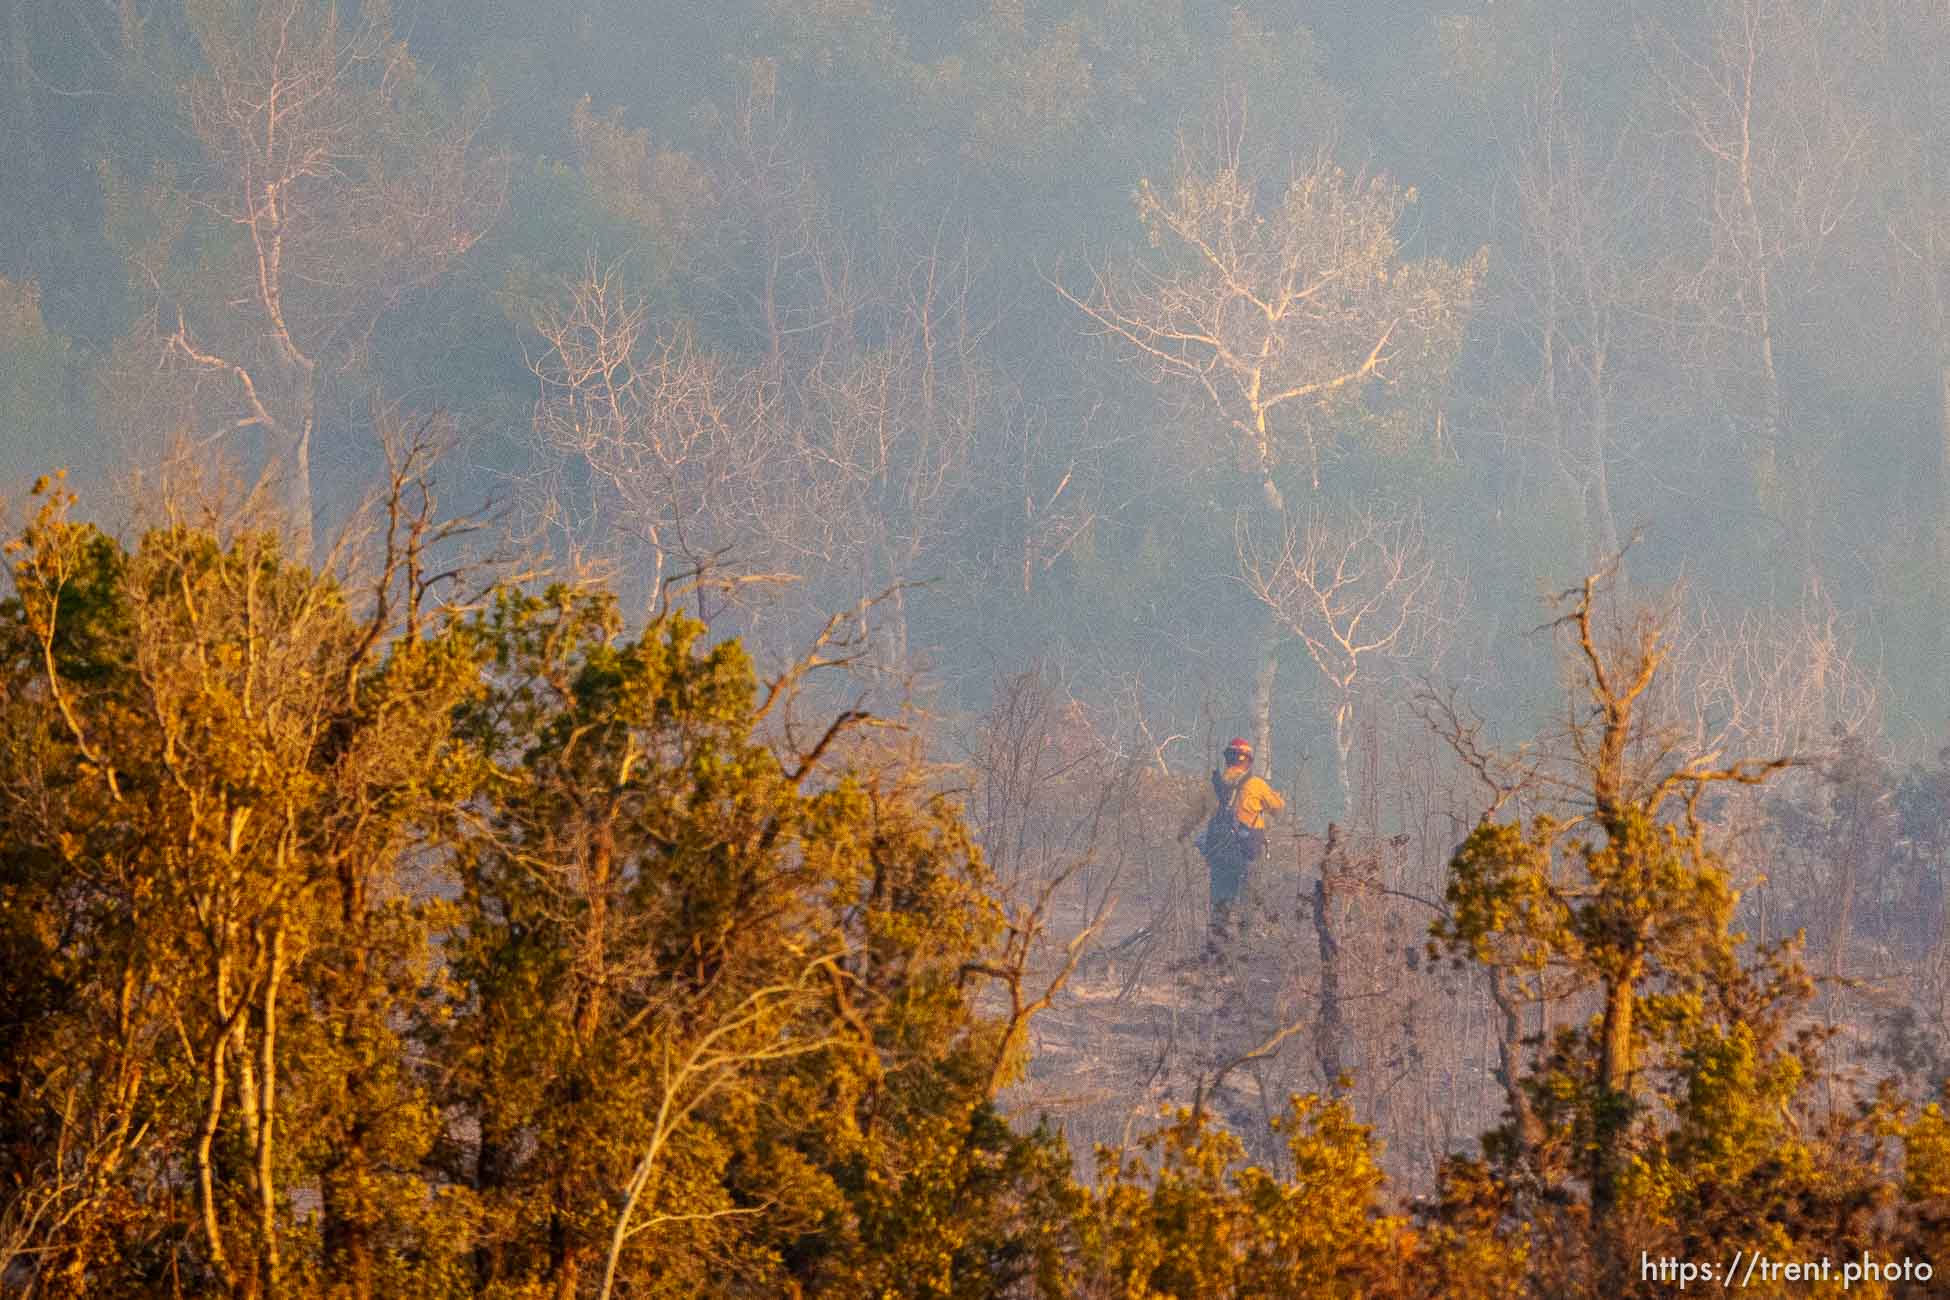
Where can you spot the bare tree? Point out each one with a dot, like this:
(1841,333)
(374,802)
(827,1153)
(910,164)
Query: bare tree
(835,463)
(1362,590)
(1576,290)
(885,421)
(775,263)
(329,196)
(1782,681)
(1781,153)
(1280,322)
(1277,319)
(1785,681)
(682,444)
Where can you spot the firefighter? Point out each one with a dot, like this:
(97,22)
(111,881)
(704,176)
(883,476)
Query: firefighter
(1235,834)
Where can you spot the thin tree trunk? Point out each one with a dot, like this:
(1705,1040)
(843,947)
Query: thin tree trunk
(248,1092)
(1263,682)
(301,505)
(639,1179)
(205,1179)
(1270,632)
(1767,454)
(1614,1093)
(1607,524)
(1343,755)
(1849,874)
(299,495)
(1328,1030)
(267,1225)
(1509,1059)
(1768,472)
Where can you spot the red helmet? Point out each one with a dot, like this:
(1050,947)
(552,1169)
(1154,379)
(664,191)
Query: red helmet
(1240,745)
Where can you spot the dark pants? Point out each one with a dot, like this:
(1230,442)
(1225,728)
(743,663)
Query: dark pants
(1229,872)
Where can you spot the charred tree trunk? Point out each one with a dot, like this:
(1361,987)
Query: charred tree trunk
(1329,1030)
(493,1165)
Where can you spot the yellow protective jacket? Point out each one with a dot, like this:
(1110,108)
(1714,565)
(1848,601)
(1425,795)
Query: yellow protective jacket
(1256,798)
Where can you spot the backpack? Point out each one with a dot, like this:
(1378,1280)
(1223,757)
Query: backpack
(1225,836)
